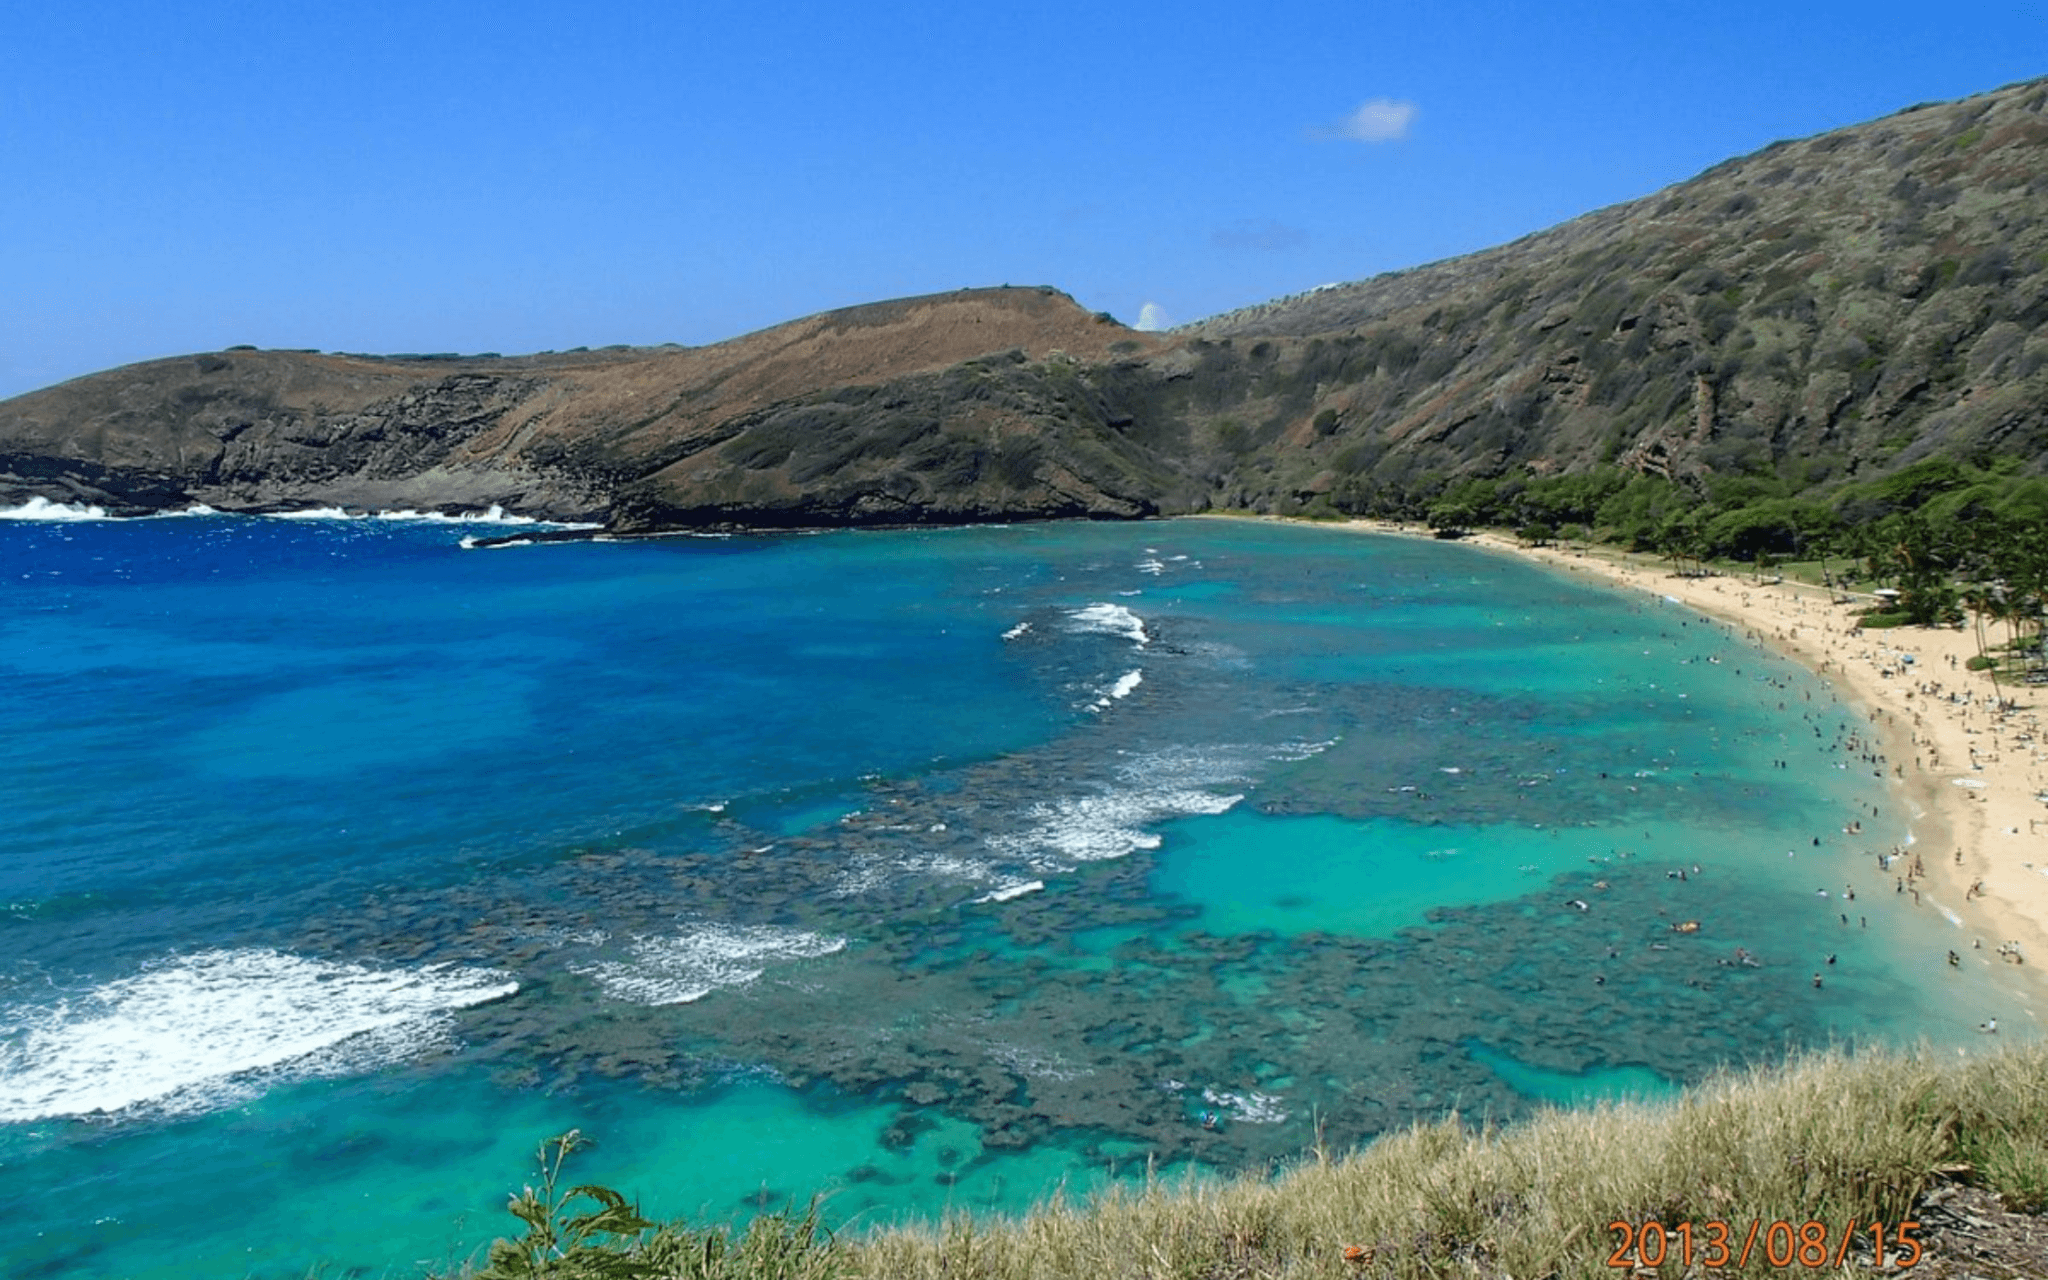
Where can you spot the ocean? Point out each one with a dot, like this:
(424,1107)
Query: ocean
(343,863)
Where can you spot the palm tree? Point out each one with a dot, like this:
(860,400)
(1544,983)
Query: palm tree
(2014,551)
(1985,602)
(1820,542)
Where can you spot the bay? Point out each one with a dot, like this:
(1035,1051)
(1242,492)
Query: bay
(925,869)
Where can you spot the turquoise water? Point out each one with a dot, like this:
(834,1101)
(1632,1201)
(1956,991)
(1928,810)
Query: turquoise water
(924,869)
(1571,1089)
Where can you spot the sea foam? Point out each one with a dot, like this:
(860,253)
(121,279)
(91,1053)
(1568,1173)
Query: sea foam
(43,510)
(1151,788)
(1094,828)
(1123,688)
(209,1029)
(1247,1107)
(868,872)
(1110,619)
(681,969)
(1011,889)
(494,514)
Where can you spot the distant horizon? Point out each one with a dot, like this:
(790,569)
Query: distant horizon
(522,179)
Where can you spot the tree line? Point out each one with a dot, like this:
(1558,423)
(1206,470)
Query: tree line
(1947,540)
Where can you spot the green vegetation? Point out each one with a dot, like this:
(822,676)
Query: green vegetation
(1829,1138)
(1944,538)
(611,1241)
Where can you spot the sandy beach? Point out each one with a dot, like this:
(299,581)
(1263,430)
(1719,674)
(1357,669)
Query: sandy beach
(1969,769)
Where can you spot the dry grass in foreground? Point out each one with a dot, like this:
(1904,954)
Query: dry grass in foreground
(1830,1138)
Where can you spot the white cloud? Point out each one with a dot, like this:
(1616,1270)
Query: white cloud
(1152,317)
(1376,120)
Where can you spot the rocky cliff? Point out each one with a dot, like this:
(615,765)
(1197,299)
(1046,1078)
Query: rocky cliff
(953,407)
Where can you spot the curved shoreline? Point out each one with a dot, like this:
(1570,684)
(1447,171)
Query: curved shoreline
(1904,681)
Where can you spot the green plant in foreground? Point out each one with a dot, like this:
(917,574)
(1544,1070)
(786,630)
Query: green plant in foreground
(559,1243)
(612,1241)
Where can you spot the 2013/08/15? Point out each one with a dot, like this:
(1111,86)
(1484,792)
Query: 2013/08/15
(1785,1244)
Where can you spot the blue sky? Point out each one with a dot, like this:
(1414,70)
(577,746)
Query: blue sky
(525,176)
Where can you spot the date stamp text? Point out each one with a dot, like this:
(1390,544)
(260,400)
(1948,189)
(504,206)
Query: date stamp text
(1714,1244)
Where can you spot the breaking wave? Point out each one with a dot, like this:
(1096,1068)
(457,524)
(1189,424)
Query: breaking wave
(1110,619)
(1093,828)
(1118,691)
(682,969)
(1152,788)
(206,1030)
(1011,889)
(494,514)
(45,511)
(1247,1107)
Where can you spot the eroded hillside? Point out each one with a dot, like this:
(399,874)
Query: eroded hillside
(898,411)
(1848,302)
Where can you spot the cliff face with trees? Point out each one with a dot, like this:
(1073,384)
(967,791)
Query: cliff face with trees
(1825,311)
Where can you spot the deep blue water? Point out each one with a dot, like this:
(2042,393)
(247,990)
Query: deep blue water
(342,865)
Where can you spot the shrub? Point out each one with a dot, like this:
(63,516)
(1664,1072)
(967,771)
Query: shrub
(613,1242)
